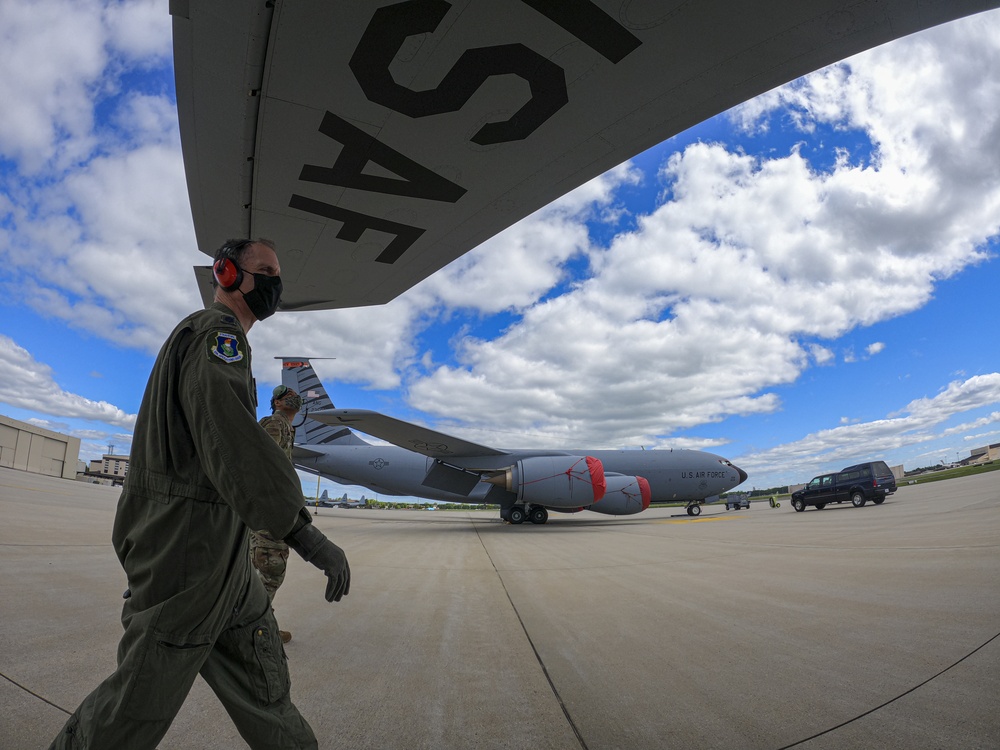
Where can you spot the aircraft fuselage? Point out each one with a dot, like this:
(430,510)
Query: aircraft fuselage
(673,476)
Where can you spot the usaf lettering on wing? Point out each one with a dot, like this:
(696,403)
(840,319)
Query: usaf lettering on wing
(386,33)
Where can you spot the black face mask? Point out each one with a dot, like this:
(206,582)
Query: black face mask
(263,299)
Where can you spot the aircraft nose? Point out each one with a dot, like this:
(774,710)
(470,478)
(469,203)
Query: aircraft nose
(743,474)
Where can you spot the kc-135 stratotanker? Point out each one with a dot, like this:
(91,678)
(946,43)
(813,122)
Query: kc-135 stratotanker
(526,483)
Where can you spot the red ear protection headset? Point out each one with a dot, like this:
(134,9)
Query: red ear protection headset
(227,272)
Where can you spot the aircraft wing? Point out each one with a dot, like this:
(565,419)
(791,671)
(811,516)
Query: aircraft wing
(375,142)
(301,452)
(404,434)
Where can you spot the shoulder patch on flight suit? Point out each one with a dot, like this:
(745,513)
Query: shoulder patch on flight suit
(225,346)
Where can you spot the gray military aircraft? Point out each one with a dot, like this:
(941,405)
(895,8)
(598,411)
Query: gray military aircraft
(346,502)
(325,501)
(526,484)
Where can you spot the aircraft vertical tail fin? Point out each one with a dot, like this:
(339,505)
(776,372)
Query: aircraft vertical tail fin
(298,374)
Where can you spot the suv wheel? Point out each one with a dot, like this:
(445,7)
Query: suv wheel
(799,505)
(858,499)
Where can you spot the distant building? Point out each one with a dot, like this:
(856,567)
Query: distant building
(983,455)
(29,448)
(109,466)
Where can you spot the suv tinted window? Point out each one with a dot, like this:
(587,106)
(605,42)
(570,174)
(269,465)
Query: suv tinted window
(881,469)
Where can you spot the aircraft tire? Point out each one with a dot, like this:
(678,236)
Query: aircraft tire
(516,515)
(694,510)
(539,515)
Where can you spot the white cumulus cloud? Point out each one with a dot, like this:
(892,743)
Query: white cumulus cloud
(28,384)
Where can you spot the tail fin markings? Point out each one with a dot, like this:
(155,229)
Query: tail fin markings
(298,374)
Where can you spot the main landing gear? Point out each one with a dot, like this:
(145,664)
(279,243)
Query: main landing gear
(694,509)
(520,513)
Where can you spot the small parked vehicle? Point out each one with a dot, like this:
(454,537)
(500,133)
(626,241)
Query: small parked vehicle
(738,500)
(856,484)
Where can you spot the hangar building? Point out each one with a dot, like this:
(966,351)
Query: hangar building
(29,448)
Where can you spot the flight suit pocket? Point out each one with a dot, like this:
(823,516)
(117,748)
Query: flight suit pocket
(267,662)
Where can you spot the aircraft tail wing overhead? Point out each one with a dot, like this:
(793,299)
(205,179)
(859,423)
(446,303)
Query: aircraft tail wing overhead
(407,435)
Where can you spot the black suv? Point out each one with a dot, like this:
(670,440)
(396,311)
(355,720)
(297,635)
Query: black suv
(859,484)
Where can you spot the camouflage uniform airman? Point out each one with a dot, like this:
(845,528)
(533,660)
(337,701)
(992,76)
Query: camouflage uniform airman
(270,555)
(200,467)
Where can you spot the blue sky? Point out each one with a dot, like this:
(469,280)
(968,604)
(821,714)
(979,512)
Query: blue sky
(803,282)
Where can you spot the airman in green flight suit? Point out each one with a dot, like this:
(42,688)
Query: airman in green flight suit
(202,472)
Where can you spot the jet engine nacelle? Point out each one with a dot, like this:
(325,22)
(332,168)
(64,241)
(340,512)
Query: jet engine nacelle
(554,481)
(624,496)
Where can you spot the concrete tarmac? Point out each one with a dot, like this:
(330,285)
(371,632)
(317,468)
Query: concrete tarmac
(873,627)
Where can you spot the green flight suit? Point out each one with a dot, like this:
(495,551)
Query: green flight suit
(202,470)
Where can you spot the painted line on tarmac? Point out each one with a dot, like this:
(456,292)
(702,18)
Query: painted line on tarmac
(33,693)
(38,489)
(700,520)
